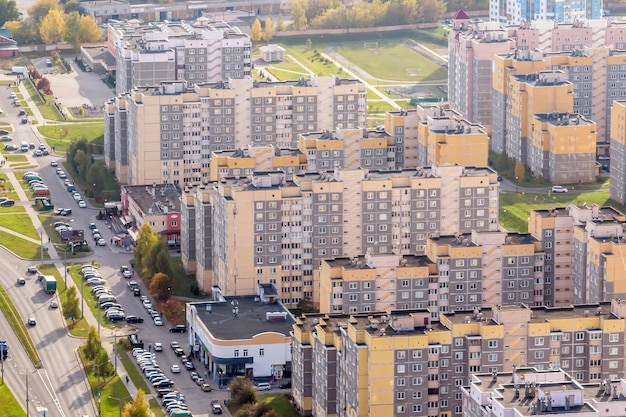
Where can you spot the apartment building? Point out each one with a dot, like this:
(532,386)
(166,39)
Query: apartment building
(197,52)
(277,228)
(472,46)
(455,273)
(401,362)
(156,205)
(451,139)
(528,392)
(595,74)
(514,12)
(618,152)
(173,128)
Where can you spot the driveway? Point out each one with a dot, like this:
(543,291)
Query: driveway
(76,88)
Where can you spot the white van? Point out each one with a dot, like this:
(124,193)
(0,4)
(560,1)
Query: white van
(24,146)
(263,386)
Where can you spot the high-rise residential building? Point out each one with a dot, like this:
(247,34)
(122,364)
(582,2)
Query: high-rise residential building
(514,12)
(274,227)
(618,152)
(398,363)
(595,74)
(472,46)
(173,127)
(197,52)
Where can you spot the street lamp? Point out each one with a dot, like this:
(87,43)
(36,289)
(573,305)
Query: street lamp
(65,266)
(516,184)
(82,298)
(119,401)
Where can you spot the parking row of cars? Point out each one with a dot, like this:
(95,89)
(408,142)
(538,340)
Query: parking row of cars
(36,184)
(103,294)
(70,186)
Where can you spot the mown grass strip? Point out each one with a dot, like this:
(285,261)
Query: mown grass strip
(19,327)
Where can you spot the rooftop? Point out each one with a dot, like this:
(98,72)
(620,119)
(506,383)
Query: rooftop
(360,262)
(250,320)
(563,119)
(156,198)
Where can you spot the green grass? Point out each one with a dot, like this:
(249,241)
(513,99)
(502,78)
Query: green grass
(16,158)
(61,136)
(281,404)
(18,325)
(156,408)
(515,207)
(394,62)
(131,369)
(19,223)
(21,247)
(182,282)
(47,108)
(111,187)
(9,407)
(109,387)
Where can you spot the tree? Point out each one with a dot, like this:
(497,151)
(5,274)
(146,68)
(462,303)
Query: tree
(270,413)
(145,240)
(52,28)
(40,10)
(82,160)
(73,149)
(255,32)
(139,407)
(280,23)
(430,10)
(298,14)
(70,305)
(102,365)
(94,344)
(96,175)
(157,259)
(22,30)
(43,83)
(72,6)
(519,171)
(261,409)
(268,31)
(160,286)
(89,30)
(306,305)
(242,391)
(72,32)
(8,11)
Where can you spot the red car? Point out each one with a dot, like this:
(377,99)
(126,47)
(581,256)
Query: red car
(42,191)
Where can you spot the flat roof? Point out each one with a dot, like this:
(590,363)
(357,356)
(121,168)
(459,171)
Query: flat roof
(359,262)
(159,198)
(250,320)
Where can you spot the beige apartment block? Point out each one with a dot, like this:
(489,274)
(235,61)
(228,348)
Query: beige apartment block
(618,151)
(402,362)
(274,227)
(172,128)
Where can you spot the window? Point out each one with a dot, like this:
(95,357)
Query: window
(236,354)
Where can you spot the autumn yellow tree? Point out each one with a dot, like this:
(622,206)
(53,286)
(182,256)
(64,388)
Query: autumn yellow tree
(268,32)
(256,34)
(72,34)
(89,30)
(139,407)
(52,28)
(280,23)
(22,30)
(298,14)
(39,10)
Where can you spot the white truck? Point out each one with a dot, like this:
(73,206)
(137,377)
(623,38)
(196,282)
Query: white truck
(20,71)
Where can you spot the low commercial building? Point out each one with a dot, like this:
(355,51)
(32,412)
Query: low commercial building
(156,205)
(247,336)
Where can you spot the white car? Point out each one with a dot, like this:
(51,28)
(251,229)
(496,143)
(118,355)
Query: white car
(101,242)
(559,189)
(54,164)
(147,304)
(77,196)
(175,369)
(82,204)
(158,321)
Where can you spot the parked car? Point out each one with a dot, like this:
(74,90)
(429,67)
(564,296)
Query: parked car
(158,321)
(32,321)
(7,203)
(216,407)
(134,319)
(263,386)
(21,281)
(82,204)
(285,385)
(206,387)
(559,189)
(179,328)
(175,369)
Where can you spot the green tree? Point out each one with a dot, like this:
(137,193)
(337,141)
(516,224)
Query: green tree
(89,30)
(83,161)
(52,28)
(40,10)
(306,305)
(94,344)
(261,409)
(160,286)
(70,305)
(268,31)
(8,11)
(270,413)
(96,176)
(242,391)
(157,258)
(256,34)
(71,6)
(145,240)
(520,171)
(102,365)
(72,32)
(280,23)
(22,30)
(73,149)
(430,10)
(139,407)
(298,14)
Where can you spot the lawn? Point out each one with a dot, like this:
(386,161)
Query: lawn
(281,404)
(16,158)
(109,387)
(61,136)
(18,325)
(391,61)
(47,108)
(9,407)
(182,282)
(19,223)
(21,247)
(515,207)
(133,373)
